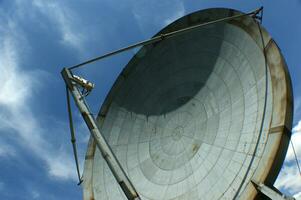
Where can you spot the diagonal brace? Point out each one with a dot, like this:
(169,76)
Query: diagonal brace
(118,172)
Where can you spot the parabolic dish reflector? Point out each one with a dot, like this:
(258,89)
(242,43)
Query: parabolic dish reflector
(196,116)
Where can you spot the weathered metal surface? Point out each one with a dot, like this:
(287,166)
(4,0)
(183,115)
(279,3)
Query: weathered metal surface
(213,81)
(88,175)
(281,123)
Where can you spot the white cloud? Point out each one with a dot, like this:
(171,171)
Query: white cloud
(61,166)
(297,106)
(6,150)
(14,86)
(35,194)
(179,12)
(163,12)
(18,87)
(289,179)
(296,140)
(297,128)
(298,196)
(65,20)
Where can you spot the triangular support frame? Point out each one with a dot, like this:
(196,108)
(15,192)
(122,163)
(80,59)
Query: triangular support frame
(107,153)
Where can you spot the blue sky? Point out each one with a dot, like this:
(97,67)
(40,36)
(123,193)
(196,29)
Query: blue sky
(39,37)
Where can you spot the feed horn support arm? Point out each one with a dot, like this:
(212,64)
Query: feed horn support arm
(101,143)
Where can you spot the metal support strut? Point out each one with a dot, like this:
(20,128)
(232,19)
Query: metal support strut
(73,140)
(101,143)
(272,194)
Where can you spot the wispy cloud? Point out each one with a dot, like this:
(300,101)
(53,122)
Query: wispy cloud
(18,87)
(35,194)
(15,86)
(298,196)
(61,166)
(296,140)
(297,107)
(179,12)
(65,20)
(164,12)
(6,150)
(289,179)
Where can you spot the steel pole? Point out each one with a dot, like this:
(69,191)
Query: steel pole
(101,143)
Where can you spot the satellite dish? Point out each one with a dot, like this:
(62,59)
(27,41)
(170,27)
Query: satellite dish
(202,115)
